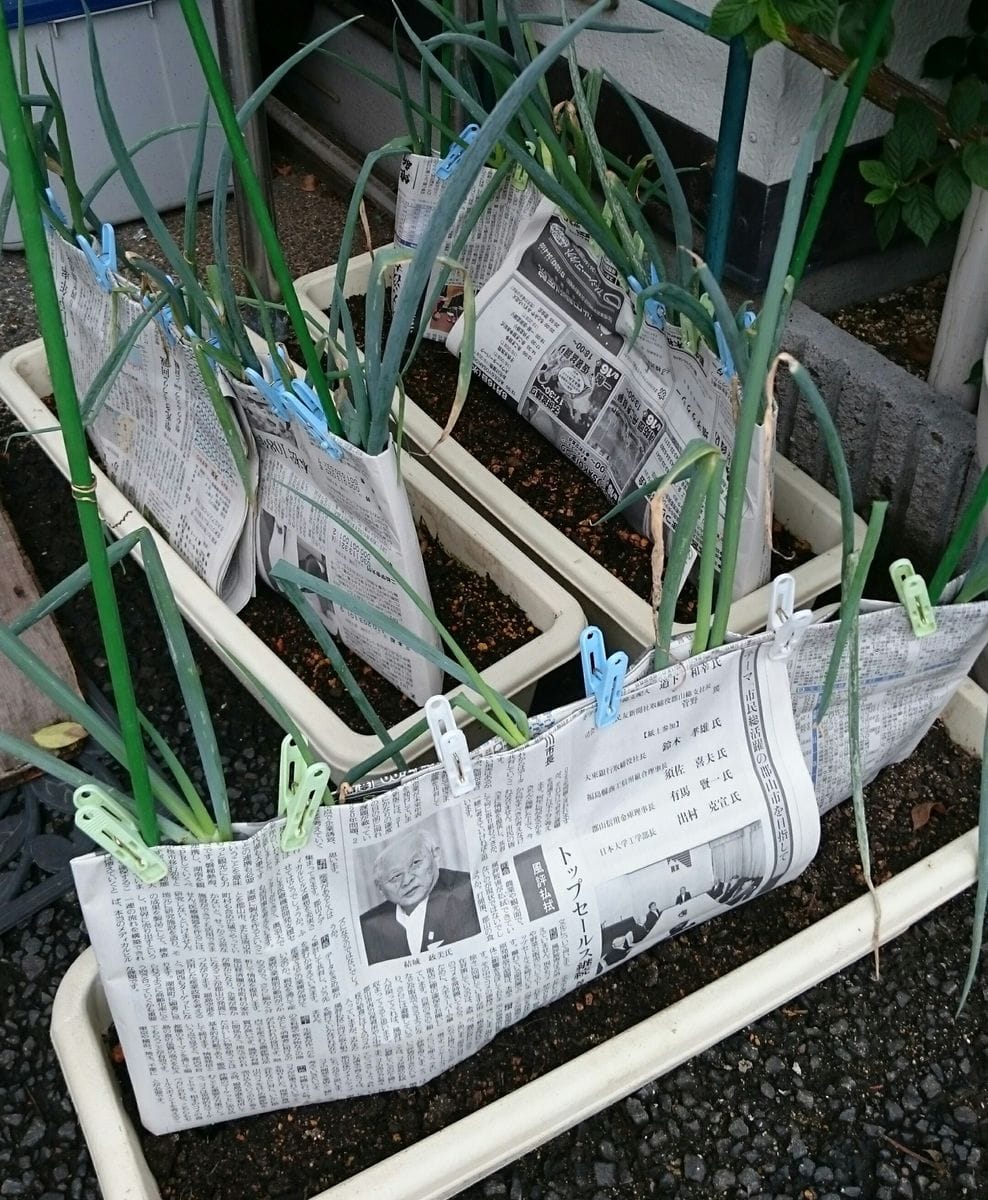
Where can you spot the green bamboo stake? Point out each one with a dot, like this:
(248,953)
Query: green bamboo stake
(21,165)
(259,209)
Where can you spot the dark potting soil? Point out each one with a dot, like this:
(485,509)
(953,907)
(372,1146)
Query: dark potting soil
(487,625)
(520,457)
(902,325)
(914,808)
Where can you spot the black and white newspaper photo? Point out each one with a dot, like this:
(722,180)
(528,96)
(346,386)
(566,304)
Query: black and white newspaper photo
(555,338)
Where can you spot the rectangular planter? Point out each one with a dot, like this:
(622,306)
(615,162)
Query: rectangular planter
(441,1165)
(803,507)
(24,380)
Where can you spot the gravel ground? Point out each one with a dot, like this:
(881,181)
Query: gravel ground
(857,1088)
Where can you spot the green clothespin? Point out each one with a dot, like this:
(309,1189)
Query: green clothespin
(913,596)
(111,826)
(301,789)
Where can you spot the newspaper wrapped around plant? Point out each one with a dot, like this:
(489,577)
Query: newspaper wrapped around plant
(554,338)
(157,434)
(416,925)
(159,439)
(367,492)
(906,682)
(419,191)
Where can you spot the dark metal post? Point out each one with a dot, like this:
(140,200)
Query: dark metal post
(236,42)
(728,155)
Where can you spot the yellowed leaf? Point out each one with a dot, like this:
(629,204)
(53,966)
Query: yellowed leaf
(59,736)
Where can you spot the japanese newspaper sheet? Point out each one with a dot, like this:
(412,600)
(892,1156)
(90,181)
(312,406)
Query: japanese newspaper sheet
(419,191)
(157,434)
(414,925)
(159,440)
(554,338)
(906,682)
(366,491)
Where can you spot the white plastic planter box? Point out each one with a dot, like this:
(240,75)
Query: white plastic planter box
(444,1163)
(24,380)
(801,505)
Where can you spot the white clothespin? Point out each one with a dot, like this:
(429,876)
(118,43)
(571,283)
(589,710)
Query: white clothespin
(788,626)
(451,746)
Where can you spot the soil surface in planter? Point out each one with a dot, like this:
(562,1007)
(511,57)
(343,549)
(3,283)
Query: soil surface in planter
(914,808)
(487,625)
(902,325)
(526,462)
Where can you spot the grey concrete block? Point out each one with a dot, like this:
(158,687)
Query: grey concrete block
(905,442)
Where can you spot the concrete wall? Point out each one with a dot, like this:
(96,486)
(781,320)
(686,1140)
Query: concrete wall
(904,442)
(681,72)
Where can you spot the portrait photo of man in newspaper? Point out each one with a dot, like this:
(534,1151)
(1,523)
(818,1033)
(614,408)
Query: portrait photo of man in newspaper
(425,906)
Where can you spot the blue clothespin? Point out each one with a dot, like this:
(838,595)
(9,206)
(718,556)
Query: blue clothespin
(103,262)
(655,311)
(724,353)
(113,828)
(723,350)
(55,207)
(451,746)
(603,677)
(446,167)
(304,406)
(301,791)
(269,383)
(914,597)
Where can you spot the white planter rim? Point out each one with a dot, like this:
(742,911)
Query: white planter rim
(806,509)
(444,1163)
(552,610)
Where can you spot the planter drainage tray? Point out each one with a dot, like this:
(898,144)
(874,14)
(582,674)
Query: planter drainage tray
(802,506)
(24,380)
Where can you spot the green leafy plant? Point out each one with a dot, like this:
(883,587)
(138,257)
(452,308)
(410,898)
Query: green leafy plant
(761,22)
(928,166)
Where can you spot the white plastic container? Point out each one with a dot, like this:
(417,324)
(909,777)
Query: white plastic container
(24,380)
(446,1162)
(153,80)
(801,505)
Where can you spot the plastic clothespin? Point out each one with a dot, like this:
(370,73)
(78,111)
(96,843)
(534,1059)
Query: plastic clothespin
(446,166)
(914,597)
(104,261)
(655,311)
(787,625)
(269,384)
(303,404)
(603,677)
(111,826)
(727,366)
(451,746)
(55,207)
(301,790)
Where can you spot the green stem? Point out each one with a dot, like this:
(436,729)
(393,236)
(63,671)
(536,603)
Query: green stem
(21,165)
(258,207)
(831,161)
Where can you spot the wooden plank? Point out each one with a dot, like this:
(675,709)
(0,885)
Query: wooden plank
(24,709)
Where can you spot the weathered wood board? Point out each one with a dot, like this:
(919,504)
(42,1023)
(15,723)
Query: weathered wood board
(23,708)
